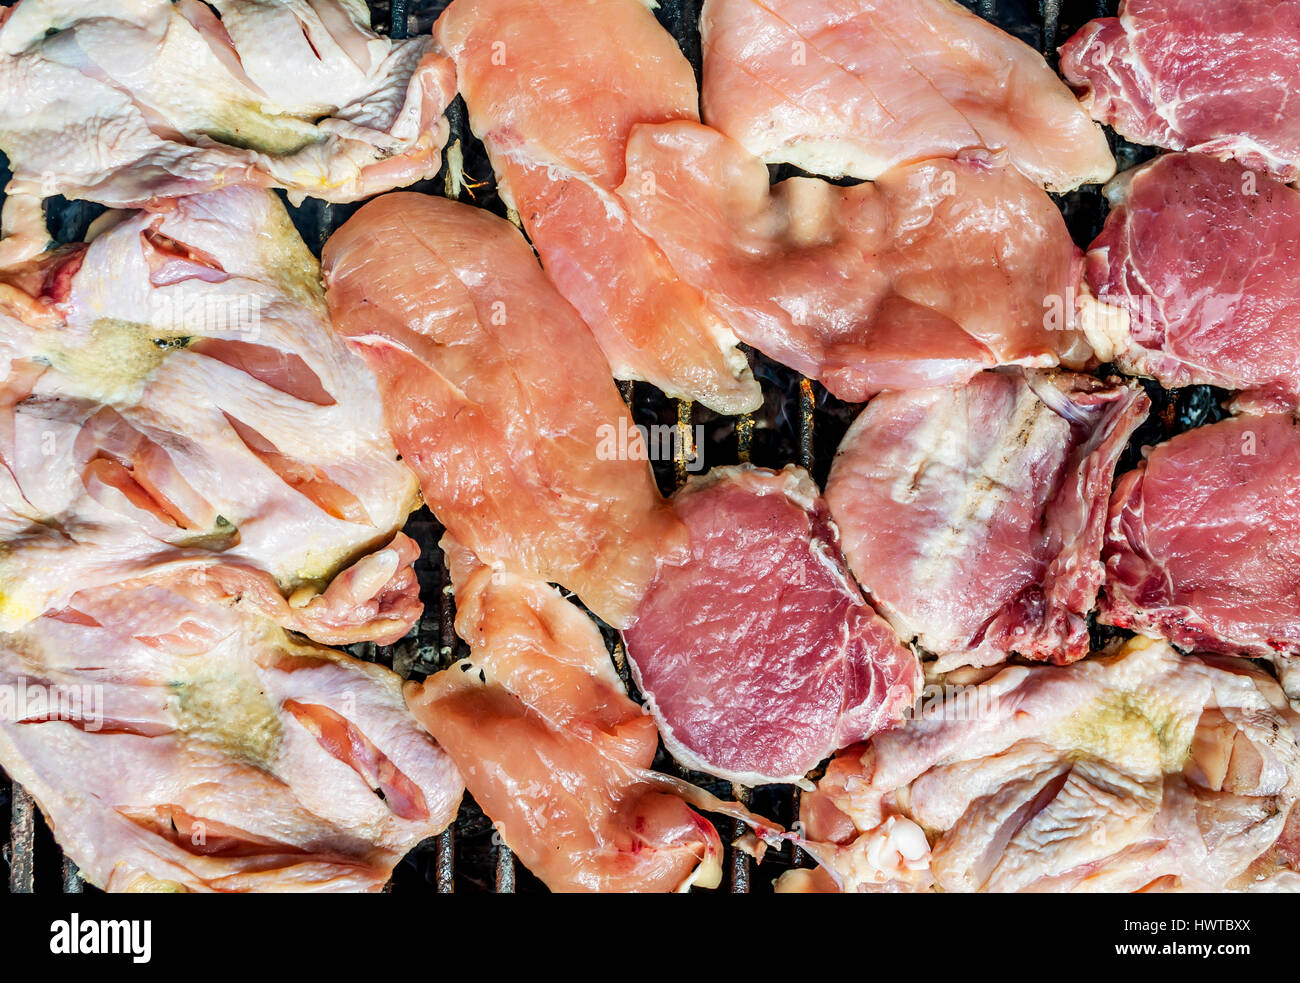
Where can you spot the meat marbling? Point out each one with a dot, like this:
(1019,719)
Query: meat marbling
(1203,542)
(1202,256)
(1210,76)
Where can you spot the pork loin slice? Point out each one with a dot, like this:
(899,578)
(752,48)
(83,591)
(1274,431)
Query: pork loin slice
(973,515)
(1211,76)
(1203,542)
(1204,257)
(758,656)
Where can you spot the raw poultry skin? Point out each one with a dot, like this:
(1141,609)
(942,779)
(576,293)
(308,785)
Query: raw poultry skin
(1143,770)
(758,656)
(1203,542)
(858,87)
(499,398)
(1202,256)
(554,751)
(177,408)
(130,101)
(973,515)
(552,90)
(933,272)
(1209,76)
(183,746)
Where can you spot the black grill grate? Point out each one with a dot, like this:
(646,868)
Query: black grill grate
(799,423)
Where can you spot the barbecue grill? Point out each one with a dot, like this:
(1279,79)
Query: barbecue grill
(799,423)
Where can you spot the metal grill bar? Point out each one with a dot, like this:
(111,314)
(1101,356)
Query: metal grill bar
(22,842)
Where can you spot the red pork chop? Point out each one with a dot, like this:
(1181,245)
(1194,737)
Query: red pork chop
(758,655)
(1204,256)
(1203,542)
(973,516)
(1212,76)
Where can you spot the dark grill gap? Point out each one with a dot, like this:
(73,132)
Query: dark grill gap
(799,423)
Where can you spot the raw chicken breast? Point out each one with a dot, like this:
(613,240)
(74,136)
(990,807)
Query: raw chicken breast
(759,656)
(923,278)
(1212,76)
(973,516)
(553,750)
(130,101)
(500,399)
(176,407)
(1203,542)
(1204,258)
(552,90)
(176,746)
(1142,770)
(857,87)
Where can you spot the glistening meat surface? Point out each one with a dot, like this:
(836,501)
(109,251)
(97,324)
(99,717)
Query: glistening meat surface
(554,751)
(176,746)
(1202,255)
(1203,542)
(177,408)
(552,91)
(1211,76)
(1142,770)
(130,101)
(498,396)
(973,515)
(758,655)
(857,87)
(933,272)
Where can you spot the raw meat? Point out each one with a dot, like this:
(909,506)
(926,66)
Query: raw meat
(923,278)
(176,407)
(500,399)
(1202,256)
(858,87)
(176,746)
(1142,770)
(1203,542)
(759,656)
(552,90)
(973,516)
(1211,76)
(130,101)
(553,750)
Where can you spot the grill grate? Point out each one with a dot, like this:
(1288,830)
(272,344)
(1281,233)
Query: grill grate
(799,423)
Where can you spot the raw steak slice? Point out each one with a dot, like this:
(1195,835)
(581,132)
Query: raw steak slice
(759,656)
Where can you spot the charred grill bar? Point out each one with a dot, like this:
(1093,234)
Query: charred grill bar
(800,424)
